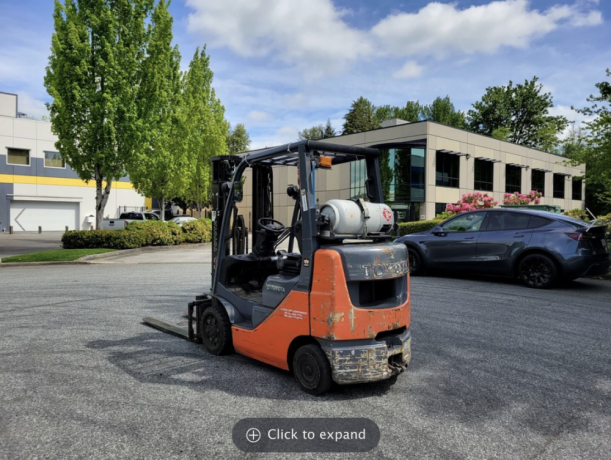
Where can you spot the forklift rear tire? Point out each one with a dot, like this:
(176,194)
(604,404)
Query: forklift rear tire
(215,330)
(312,369)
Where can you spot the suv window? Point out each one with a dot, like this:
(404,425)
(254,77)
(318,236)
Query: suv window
(151,217)
(131,216)
(536,222)
(465,223)
(499,221)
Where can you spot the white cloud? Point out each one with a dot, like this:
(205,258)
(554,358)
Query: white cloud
(315,35)
(576,120)
(439,29)
(312,32)
(258,116)
(282,135)
(411,69)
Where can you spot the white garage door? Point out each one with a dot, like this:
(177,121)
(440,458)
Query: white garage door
(26,216)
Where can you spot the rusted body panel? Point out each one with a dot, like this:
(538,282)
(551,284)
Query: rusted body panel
(269,342)
(334,317)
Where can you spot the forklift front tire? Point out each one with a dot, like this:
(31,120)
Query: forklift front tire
(312,369)
(215,330)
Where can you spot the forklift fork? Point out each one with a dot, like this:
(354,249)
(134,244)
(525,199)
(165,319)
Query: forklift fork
(194,314)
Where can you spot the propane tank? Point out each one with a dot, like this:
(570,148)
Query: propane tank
(347,218)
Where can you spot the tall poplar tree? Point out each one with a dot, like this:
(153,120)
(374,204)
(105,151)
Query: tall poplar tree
(205,128)
(94,75)
(162,167)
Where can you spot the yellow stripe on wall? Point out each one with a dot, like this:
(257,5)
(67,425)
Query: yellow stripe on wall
(39,180)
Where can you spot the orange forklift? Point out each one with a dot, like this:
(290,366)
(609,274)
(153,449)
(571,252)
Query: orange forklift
(334,305)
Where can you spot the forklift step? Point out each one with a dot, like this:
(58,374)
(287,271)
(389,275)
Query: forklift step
(166,327)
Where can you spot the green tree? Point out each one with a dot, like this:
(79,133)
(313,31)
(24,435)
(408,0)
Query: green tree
(410,112)
(238,140)
(524,110)
(329,130)
(443,111)
(205,128)
(163,166)
(311,134)
(317,132)
(594,149)
(361,117)
(94,76)
(502,134)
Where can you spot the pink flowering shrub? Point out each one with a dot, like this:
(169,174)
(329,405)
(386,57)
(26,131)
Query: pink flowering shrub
(471,202)
(517,198)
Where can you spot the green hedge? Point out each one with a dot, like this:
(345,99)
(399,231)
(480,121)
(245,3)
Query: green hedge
(406,228)
(111,239)
(139,234)
(157,233)
(197,231)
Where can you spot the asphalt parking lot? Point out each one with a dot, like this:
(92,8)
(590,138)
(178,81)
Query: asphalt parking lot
(498,371)
(22,243)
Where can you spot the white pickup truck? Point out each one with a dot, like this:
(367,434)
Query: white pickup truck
(127,217)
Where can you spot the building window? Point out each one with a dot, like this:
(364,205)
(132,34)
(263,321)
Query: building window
(577,189)
(18,157)
(558,186)
(484,175)
(447,170)
(513,179)
(538,181)
(358,175)
(440,208)
(407,182)
(54,160)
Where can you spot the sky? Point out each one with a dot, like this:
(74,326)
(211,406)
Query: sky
(284,65)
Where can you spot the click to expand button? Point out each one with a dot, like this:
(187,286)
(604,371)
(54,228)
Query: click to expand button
(306,435)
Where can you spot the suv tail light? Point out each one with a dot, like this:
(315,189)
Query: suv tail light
(582,236)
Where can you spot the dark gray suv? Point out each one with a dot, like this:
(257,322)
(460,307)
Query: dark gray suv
(540,248)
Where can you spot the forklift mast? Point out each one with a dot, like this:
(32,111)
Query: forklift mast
(222,176)
(262,194)
(223,169)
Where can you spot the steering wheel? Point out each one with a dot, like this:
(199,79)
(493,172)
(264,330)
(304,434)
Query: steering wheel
(271,225)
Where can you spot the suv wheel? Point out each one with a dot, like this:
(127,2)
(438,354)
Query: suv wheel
(414,261)
(538,271)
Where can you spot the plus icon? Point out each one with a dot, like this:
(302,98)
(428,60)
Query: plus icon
(253,435)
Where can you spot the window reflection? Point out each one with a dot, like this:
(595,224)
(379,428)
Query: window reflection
(407,181)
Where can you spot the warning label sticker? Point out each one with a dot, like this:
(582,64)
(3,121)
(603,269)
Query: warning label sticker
(387,214)
(295,314)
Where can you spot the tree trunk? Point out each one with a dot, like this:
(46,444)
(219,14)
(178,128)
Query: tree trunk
(199,209)
(101,198)
(162,205)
